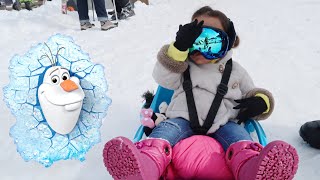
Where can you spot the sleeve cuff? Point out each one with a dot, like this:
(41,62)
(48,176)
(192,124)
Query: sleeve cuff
(176,54)
(266,100)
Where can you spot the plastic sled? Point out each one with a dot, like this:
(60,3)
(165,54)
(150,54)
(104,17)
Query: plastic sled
(210,153)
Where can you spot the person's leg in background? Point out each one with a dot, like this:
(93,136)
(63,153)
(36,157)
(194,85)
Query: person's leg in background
(119,5)
(28,4)
(16,5)
(127,9)
(102,15)
(124,9)
(83,14)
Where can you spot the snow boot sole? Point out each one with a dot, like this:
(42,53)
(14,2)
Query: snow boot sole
(120,159)
(280,161)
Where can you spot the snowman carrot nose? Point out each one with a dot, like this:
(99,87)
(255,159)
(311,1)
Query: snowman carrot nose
(68,85)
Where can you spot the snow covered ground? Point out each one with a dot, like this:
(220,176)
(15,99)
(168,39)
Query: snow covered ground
(280,47)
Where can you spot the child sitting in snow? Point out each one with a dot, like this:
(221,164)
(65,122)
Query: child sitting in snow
(207,99)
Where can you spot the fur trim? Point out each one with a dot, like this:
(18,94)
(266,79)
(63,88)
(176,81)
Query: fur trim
(169,63)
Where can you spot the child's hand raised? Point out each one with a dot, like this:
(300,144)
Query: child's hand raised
(250,107)
(187,34)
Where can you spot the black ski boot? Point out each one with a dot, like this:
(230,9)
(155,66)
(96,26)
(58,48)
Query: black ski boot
(16,6)
(310,132)
(2,5)
(128,10)
(28,5)
(120,16)
(111,12)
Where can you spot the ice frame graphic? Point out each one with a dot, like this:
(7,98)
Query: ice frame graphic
(35,140)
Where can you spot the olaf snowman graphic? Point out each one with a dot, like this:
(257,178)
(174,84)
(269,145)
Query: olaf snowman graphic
(61,98)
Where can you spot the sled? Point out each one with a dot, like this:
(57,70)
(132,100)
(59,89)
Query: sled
(164,95)
(208,150)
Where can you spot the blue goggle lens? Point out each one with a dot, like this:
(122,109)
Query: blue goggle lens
(212,43)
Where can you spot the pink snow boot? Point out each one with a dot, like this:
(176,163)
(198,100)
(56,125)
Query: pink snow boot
(144,160)
(250,161)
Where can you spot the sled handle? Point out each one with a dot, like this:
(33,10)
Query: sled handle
(252,125)
(138,135)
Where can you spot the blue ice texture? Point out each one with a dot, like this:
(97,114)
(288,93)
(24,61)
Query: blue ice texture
(34,138)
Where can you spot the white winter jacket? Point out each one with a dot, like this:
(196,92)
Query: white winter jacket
(205,79)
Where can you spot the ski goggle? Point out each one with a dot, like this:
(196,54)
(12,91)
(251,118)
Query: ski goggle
(212,43)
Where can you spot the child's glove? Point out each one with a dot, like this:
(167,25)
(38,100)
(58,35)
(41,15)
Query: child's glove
(187,34)
(250,107)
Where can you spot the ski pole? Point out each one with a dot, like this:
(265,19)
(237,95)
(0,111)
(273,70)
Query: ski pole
(115,12)
(92,4)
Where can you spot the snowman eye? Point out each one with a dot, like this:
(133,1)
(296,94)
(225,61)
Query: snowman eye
(65,76)
(55,79)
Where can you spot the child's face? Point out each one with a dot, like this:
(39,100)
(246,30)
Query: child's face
(198,58)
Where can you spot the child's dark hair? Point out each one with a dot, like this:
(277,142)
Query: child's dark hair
(208,11)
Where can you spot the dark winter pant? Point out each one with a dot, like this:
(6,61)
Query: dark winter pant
(120,4)
(100,8)
(177,129)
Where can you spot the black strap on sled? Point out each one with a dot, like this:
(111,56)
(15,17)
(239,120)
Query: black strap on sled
(222,90)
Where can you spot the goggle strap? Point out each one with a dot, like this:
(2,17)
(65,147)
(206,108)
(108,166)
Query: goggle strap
(231,34)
